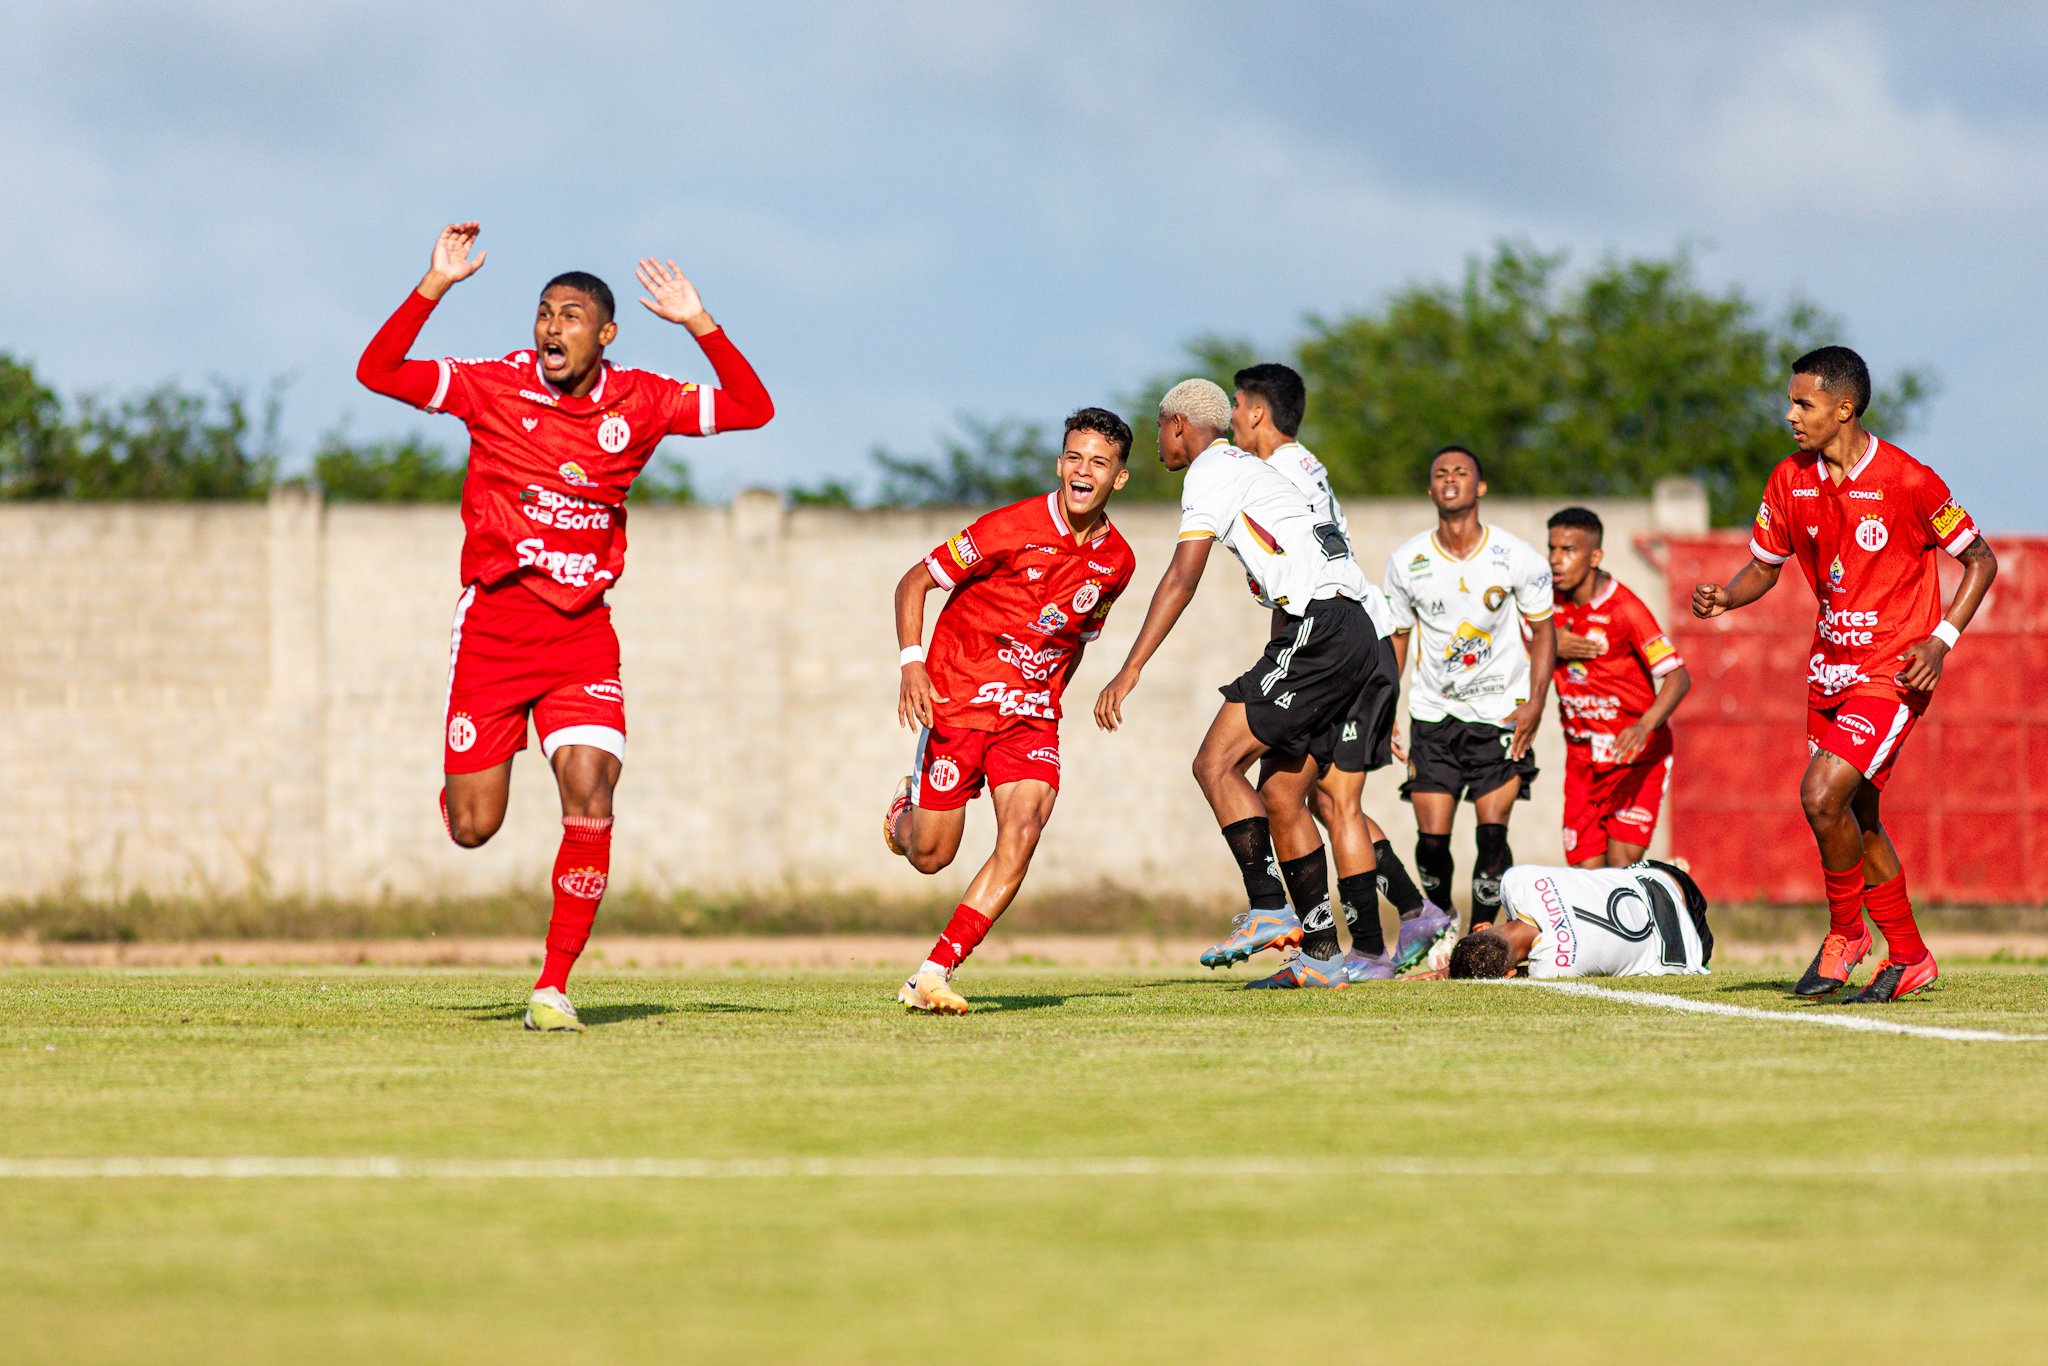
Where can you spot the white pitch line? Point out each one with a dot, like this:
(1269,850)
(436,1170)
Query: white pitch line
(990,1168)
(1812,1016)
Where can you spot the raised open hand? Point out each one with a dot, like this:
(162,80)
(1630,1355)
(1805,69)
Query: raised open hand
(451,262)
(673,296)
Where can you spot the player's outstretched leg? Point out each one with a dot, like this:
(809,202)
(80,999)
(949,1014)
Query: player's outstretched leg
(1023,806)
(1267,922)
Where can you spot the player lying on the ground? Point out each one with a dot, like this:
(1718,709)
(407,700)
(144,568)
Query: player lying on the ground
(1649,920)
(1318,659)
(1618,682)
(1265,415)
(1864,520)
(1462,594)
(557,435)
(1031,585)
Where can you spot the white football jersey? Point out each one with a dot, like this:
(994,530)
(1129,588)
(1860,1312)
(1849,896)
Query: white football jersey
(1470,661)
(1306,473)
(1291,554)
(1604,922)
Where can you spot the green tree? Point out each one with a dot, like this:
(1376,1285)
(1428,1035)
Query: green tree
(409,469)
(37,447)
(1600,385)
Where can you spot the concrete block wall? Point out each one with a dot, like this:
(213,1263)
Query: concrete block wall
(201,699)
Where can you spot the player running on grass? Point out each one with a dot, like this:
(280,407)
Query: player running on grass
(1647,920)
(1620,680)
(1321,650)
(1265,415)
(1462,593)
(1031,585)
(1863,519)
(557,435)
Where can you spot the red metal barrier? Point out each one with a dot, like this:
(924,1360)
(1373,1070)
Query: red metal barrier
(1968,804)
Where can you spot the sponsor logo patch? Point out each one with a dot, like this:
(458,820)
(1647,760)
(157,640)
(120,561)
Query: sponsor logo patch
(1948,519)
(611,690)
(1763,516)
(943,775)
(461,732)
(1835,573)
(560,565)
(1857,725)
(533,397)
(587,883)
(1658,650)
(1418,564)
(1868,495)
(1634,815)
(1100,568)
(963,550)
(1045,754)
(613,433)
(1469,648)
(1805,493)
(1575,671)
(1051,621)
(1871,534)
(1035,666)
(573,475)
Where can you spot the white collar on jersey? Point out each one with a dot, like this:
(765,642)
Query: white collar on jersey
(1059,516)
(1485,535)
(1820,466)
(1600,599)
(604,371)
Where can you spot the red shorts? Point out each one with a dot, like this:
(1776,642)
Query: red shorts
(953,762)
(1867,731)
(510,654)
(1604,802)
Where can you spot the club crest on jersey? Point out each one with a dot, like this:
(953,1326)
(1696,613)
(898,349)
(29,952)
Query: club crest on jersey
(1051,620)
(1871,535)
(1835,573)
(461,732)
(1495,596)
(573,474)
(1469,648)
(944,775)
(1085,598)
(613,434)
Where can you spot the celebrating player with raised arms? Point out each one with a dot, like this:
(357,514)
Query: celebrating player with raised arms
(1647,920)
(557,435)
(1321,651)
(1619,680)
(1265,417)
(1863,519)
(1462,593)
(1031,585)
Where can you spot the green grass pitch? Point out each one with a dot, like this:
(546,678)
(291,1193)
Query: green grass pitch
(1099,1166)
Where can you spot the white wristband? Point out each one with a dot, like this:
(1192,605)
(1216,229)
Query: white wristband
(1946,633)
(912,654)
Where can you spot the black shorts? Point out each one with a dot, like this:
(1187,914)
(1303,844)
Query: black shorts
(1463,758)
(1361,740)
(1309,677)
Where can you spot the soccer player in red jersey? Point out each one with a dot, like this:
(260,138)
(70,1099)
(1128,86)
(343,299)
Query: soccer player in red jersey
(1619,678)
(1863,520)
(1030,585)
(557,435)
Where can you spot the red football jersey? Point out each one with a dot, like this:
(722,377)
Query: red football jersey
(1600,698)
(1866,547)
(1025,599)
(545,494)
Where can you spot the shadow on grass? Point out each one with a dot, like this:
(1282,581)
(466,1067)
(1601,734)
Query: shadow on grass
(588,1014)
(1041,1001)
(724,1008)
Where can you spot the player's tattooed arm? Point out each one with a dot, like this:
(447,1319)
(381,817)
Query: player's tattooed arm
(1542,664)
(451,263)
(1175,591)
(1671,690)
(1924,661)
(914,695)
(1751,582)
(674,298)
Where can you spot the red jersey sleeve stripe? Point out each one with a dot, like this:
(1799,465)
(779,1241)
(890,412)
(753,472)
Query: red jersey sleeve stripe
(939,576)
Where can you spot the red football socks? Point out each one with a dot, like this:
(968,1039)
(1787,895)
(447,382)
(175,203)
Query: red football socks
(963,932)
(582,868)
(1894,915)
(1845,901)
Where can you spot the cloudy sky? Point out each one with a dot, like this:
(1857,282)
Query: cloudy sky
(904,211)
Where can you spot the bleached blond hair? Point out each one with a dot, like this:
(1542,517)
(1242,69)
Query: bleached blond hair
(1200,401)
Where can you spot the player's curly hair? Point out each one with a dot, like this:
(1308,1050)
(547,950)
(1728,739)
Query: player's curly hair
(583,281)
(1103,423)
(1841,372)
(1481,957)
(1200,401)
